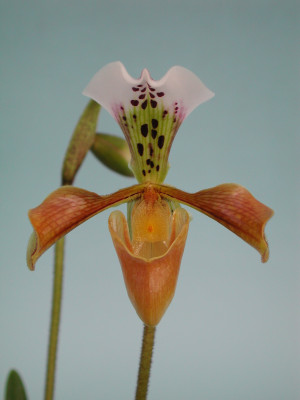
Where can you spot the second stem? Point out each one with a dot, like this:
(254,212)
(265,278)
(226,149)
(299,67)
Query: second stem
(55,318)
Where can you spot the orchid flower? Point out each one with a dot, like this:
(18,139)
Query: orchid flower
(150,243)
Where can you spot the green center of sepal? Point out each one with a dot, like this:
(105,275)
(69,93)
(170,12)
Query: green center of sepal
(149,129)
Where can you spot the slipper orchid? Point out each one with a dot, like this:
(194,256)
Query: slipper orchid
(150,244)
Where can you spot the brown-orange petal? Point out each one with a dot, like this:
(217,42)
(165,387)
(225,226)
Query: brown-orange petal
(232,206)
(150,283)
(63,210)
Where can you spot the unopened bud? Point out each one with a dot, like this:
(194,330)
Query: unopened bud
(113,152)
(81,141)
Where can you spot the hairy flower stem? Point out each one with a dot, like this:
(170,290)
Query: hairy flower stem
(145,363)
(55,318)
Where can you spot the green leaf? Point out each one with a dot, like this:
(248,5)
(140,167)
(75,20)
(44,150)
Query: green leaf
(81,141)
(113,152)
(14,387)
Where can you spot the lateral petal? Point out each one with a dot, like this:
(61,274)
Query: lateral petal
(63,210)
(232,206)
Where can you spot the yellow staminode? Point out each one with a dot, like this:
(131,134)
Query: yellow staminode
(151,219)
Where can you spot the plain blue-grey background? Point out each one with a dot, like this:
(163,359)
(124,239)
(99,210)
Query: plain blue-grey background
(232,330)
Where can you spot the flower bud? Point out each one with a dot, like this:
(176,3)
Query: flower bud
(113,152)
(81,141)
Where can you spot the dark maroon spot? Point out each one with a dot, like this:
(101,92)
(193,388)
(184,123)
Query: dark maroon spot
(160,94)
(122,108)
(148,161)
(152,89)
(124,118)
(149,170)
(174,120)
(153,103)
(154,133)
(134,102)
(152,95)
(157,168)
(144,172)
(154,123)
(176,103)
(144,130)
(176,108)
(144,105)
(161,141)
(151,151)
(151,164)
(140,148)
(139,85)
(135,89)
(143,90)
(125,124)
(142,96)
(134,116)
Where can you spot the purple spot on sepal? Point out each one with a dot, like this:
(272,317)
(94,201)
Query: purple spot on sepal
(160,94)
(151,151)
(144,130)
(154,123)
(153,103)
(144,105)
(161,141)
(134,102)
(153,133)
(140,148)
(152,95)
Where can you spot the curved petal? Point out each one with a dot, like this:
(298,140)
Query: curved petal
(232,206)
(150,282)
(149,112)
(63,210)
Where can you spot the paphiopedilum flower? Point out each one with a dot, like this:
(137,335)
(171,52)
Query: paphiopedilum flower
(150,243)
